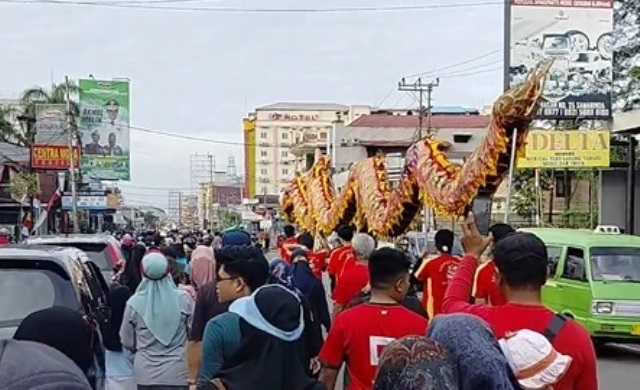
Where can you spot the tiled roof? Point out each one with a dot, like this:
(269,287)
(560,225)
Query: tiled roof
(437,121)
(304,107)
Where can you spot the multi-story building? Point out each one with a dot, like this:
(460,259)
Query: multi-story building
(281,138)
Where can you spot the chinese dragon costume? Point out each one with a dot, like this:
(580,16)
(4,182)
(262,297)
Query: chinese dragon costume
(429,178)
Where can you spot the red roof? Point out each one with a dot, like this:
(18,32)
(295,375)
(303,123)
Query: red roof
(437,121)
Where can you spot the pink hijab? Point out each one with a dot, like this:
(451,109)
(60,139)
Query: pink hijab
(203,266)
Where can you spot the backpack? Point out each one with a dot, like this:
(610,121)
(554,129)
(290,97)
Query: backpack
(557,323)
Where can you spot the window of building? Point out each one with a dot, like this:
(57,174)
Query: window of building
(263,135)
(263,153)
(284,154)
(285,171)
(323,135)
(263,171)
(574,265)
(285,135)
(562,187)
(263,190)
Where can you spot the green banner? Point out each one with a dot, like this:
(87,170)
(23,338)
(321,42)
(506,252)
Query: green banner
(104,129)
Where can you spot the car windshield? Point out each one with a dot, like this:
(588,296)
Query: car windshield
(615,264)
(25,290)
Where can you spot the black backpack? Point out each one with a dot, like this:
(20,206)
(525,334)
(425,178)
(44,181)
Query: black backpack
(557,323)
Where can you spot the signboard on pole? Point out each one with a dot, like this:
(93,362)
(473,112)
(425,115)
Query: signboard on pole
(104,128)
(566,149)
(577,34)
(53,157)
(51,124)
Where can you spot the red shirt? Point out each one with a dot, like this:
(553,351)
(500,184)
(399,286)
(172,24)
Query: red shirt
(572,339)
(485,286)
(354,280)
(359,334)
(317,262)
(337,259)
(435,274)
(283,253)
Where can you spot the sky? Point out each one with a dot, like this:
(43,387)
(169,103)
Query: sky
(198,72)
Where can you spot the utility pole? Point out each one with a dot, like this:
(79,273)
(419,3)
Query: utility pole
(210,205)
(72,164)
(421,88)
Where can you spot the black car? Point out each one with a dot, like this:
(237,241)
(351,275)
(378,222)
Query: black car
(33,278)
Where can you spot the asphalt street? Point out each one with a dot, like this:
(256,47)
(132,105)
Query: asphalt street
(617,364)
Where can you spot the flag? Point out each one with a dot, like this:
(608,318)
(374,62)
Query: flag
(43,216)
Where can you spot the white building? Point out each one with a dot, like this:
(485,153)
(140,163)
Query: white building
(282,140)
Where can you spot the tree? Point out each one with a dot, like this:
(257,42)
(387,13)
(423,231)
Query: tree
(635,73)
(626,18)
(8,131)
(150,219)
(38,95)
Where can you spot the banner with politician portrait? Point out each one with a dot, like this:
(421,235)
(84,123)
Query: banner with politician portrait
(104,128)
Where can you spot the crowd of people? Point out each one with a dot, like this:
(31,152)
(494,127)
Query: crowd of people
(214,313)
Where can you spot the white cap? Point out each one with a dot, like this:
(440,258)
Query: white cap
(536,364)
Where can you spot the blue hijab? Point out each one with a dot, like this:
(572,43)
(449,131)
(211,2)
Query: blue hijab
(157,299)
(481,364)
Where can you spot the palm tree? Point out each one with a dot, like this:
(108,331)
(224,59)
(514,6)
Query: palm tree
(38,95)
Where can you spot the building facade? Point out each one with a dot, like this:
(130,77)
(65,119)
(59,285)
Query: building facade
(280,139)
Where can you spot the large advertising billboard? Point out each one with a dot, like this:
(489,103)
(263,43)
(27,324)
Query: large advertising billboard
(577,34)
(104,128)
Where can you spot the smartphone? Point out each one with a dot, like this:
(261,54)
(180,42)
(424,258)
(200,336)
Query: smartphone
(481,209)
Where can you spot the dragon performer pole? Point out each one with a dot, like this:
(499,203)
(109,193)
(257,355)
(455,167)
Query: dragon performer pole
(512,169)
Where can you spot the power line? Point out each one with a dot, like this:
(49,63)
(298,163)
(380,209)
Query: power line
(453,76)
(150,6)
(455,65)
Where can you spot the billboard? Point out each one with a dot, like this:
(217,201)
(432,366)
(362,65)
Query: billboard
(577,34)
(51,124)
(566,149)
(104,128)
(53,157)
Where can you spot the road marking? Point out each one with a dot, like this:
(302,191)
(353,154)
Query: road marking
(628,347)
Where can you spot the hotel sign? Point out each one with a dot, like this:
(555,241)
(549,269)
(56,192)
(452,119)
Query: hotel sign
(278,116)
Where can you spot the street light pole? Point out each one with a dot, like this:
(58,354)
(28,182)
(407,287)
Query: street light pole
(72,166)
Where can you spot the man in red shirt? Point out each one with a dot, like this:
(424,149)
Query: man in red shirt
(356,277)
(339,256)
(361,332)
(485,286)
(290,238)
(435,273)
(521,260)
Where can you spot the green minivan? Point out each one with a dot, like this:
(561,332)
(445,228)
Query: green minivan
(594,276)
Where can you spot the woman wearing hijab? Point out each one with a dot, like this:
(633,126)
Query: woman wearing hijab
(416,363)
(132,274)
(481,363)
(203,278)
(119,365)
(155,326)
(65,330)
(271,325)
(280,273)
(311,287)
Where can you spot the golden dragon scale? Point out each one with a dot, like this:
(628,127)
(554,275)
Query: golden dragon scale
(429,178)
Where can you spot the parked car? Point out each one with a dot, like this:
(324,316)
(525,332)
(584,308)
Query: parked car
(102,249)
(33,278)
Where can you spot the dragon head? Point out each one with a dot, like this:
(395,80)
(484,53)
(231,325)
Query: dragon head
(516,107)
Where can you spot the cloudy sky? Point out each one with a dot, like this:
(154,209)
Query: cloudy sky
(198,72)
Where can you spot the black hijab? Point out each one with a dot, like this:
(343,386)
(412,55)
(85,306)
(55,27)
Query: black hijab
(132,269)
(268,359)
(117,299)
(63,329)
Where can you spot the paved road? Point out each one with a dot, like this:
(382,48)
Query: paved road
(618,366)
